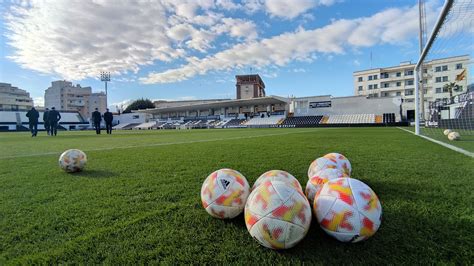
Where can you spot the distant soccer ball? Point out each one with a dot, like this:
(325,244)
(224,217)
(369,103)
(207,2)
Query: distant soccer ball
(277,175)
(277,215)
(454,136)
(320,164)
(224,193)
(342,162)
(447,131)
(72,160)
(316,182)
(348,210)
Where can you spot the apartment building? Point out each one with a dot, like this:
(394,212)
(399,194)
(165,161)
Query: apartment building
(14,99)
(400,81)
(63,95)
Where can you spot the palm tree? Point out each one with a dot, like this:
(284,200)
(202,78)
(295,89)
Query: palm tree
(451,86)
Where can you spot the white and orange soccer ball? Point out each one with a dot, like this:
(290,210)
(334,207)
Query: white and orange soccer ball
(320,164)
(348,210)
(316,182)
(342,162)
(224,193)
(72,160)
(447,131)
(277,215)
(454,136)
(277,175)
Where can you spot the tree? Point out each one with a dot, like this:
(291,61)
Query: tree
(139,104)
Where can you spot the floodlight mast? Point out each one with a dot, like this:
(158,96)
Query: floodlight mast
(105,76)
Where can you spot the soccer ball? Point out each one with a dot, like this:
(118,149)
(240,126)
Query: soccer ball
(224,193)
(72,160)
(277,215)
(277,175)
(454,136)
(320,164)
(316,182)
(341,161)
(348,210)
(447,131)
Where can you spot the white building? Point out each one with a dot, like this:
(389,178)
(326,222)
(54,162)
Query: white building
(65,97)
(14,99)
(399,81)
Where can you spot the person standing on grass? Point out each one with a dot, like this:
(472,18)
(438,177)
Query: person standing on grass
(46,120)
(96,118)
(53,117)
(108,118)
(33,116)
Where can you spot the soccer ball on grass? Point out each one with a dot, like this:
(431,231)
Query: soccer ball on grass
(72,160)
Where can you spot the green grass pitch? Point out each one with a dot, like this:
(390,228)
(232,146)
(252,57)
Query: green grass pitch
(138,201)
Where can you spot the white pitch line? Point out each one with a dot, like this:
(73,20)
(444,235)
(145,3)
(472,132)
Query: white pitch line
(163,144)
(446,145)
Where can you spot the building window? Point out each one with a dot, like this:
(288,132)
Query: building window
(385,85)
(408,92)
(399,93)
(373,95)
(409,100)
(360,88)
(384,75)
(399,84)
(439,90)
(376,86)
(458,88)
(425,91)
(445,89)
(360,79)
(408,82)
(370,77)
(408,72)
(438,79)
(445,78)
(445,68)
(370,86)
(385,94)
(425,70)
(458,66)
(375,77)
(399,74)
(438,69)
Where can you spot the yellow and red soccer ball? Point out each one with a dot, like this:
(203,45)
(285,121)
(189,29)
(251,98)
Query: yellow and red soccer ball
(316,182)
(332,161)
(277,215)
(72,160)
(224,193)
(277,175)
(348,210)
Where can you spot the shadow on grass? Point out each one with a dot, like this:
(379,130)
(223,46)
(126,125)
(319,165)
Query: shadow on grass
(96,174)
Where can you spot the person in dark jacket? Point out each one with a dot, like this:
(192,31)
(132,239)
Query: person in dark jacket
(46,120)
(33,116)
(96,118)
(108,118)
(53,117)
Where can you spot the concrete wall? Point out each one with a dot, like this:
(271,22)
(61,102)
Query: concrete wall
(347,105)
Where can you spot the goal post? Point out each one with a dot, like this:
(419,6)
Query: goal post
(444,87)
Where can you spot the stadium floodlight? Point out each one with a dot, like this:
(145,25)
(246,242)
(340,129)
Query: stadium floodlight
(105,77)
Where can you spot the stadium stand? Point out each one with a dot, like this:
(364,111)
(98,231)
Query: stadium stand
(234,123)
(324,120)
(302,121)
(351,119)
(388,118)
(147,125)
(378,119)
(264,121)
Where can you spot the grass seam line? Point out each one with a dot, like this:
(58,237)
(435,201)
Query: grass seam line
(446,145)
(163,144)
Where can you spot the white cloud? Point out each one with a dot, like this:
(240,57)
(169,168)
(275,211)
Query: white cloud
(288,9)
(392,26)
(38,101)
(79,39)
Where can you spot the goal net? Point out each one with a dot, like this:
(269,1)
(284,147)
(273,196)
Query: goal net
(445,82)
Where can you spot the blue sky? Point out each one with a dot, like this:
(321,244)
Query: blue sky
(192,49)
